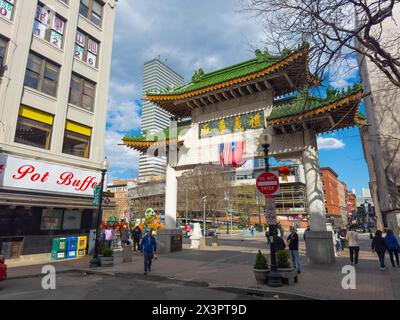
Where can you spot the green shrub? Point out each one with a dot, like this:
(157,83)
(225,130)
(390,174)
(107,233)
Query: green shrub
(105,251)
(261,261)
(283,259)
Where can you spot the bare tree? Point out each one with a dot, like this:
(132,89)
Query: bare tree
(206,180)
(334,29)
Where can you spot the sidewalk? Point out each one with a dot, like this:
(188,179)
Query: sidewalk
(230,265)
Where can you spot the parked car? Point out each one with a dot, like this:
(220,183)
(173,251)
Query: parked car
(3,269)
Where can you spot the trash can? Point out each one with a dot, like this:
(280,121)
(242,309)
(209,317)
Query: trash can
(59,249)
(82,244)
(72,247)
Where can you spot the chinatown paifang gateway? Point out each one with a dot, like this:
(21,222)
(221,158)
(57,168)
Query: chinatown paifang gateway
(236,104)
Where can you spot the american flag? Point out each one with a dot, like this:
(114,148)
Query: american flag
(231,153)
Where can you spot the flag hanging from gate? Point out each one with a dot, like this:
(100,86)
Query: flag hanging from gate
(231,153)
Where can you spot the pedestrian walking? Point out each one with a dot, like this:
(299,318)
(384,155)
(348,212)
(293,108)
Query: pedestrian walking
(124,236)
(136,237)
(379,246)
(268,236)
(293,243)
(354,247)
(337,241)
(149,248)
(109,236)
(342,238)
(393,247)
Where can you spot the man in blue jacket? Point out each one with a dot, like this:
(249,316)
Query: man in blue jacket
(393,247)
(149,248)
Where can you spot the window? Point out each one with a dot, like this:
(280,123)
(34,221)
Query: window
(77,139)
(34,128)
(93,10)
(82,92)
(51,219)
(42,75)
(72,220)
(86,49)
(3,47)
(6,8)
(49,26)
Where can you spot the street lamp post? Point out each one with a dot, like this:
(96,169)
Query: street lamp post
(260,228)
(95,260)
(186,204)
(204,198)
(274,278)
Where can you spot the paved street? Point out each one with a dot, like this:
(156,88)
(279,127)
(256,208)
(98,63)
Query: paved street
(97,287)
(192,274)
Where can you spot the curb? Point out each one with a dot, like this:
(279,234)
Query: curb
(37,275)
(283,295)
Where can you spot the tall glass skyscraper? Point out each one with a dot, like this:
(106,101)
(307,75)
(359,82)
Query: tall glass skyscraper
(156,75)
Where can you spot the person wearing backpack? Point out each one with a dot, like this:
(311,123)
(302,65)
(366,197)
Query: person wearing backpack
(393,247)
(136,237)
(379,246)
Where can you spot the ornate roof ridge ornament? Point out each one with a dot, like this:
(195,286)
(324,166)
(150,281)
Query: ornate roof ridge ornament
(197,75)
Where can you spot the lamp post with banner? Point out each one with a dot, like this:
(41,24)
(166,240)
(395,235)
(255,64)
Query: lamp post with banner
(98,200)
(268,184)
(226,194)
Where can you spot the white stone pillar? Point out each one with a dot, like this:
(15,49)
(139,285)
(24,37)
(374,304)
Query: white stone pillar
(314,187)
(171,198)
(319,241)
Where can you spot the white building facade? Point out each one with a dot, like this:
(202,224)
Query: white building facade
(55,59)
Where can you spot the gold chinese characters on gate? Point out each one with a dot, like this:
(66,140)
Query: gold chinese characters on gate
(232,124)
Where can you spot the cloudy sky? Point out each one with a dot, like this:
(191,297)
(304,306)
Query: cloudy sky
(188,35)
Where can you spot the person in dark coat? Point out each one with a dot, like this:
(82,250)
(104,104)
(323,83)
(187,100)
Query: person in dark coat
(268,236)
(379,246)
(393,247)
(279,243)
(293,242)
(136,237)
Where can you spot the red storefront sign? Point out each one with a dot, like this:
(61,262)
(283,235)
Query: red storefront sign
(27,174)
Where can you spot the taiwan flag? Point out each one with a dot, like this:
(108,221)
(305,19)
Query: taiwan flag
(231,153)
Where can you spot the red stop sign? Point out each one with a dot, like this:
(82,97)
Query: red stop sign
(268,183)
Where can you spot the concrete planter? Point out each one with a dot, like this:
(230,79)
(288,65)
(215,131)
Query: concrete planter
(127,253)
(261,275)
(289,275)
(106,261)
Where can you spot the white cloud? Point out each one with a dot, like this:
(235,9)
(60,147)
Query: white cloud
(330,143)
(120,157)
(124,116)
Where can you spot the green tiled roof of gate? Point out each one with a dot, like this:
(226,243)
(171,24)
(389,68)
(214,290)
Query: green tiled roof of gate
(161,135)
(263,61)
(303,103)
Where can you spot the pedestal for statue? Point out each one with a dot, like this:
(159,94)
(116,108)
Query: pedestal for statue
(319,247)
(169,240)
(195,237)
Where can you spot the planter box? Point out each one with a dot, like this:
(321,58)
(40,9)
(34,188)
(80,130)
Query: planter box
(106,261)
(289,275)
(261,275)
